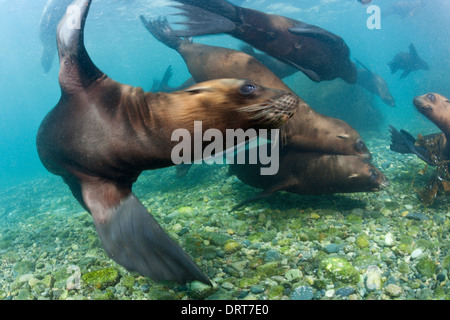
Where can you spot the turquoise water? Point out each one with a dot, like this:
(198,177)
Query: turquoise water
(122,48)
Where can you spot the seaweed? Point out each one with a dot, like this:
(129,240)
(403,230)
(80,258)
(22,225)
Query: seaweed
(440,181)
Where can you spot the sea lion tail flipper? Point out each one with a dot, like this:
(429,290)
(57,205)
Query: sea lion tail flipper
(134,239)
(72,52)
(311,31)
(405,74)
(201,22)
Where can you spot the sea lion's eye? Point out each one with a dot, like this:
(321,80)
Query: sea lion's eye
(373,175)
(431,97)
(360,146)
(247,88)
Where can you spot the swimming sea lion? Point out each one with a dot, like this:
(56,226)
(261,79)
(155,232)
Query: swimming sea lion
(307,130)
(320,54)
(312,174)
(435,107)
(51,15)
(102,134)
(408,62)
(365,2)
(375,84)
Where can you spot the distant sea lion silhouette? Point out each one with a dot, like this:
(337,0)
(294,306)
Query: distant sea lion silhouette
(408,62)
(318,53)
(102,134)
(375,84)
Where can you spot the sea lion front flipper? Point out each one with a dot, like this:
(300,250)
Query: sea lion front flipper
(309,73)
(405,73)
(133,238)
(311,31)
(404,142)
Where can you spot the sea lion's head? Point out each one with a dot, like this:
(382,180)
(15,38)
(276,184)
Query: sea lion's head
(436,108)
(236,103)
(363,176)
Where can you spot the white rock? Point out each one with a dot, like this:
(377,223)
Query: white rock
(373,278)
(416,253)
(389,239)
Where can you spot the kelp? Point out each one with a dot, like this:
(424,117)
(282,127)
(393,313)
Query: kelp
(440,180)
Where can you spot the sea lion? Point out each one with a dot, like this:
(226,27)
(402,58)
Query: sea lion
(375,84)
(312,174)
(51,15)
(408,62)
(365,2)
(320,54)
(435,107)
(307,130)
(102,134)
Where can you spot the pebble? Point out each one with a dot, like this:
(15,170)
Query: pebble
(272,255)
(345,292)
(416,253)
(257,289)
(394,290)
(302,293)
(373,278)
(416,216)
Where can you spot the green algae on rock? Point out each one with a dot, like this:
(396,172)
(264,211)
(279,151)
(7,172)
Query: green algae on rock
(102,278)
(338,270)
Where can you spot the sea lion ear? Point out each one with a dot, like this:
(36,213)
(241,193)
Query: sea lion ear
(355,175)
(196,90)
(343,136)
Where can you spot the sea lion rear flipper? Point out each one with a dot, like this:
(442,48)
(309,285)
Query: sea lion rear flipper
(202,22)
(133,238)
(311,31)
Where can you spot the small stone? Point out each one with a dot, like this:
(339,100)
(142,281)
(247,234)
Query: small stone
(338,269)
(426,268)
(302,293)
(416,253)
(362,241)
(393,290)
(232,246)
(200,290)
(345,292)
(314,215)
(293,274)
(373,278)
(416,216)
(389,240)
(257,289)
(272,255)
(332,248)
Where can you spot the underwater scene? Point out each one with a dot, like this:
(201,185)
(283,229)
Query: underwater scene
(122,121)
